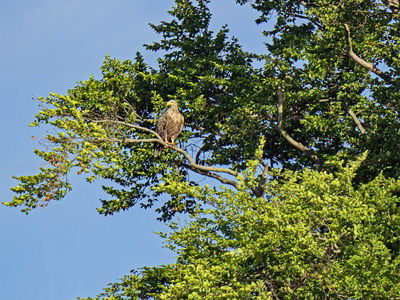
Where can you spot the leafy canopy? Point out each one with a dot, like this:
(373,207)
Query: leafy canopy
(324,224)
(316,235)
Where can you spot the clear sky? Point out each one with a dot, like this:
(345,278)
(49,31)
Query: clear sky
(67,250)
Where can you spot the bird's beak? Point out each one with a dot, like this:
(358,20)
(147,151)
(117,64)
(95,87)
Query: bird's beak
(169,103)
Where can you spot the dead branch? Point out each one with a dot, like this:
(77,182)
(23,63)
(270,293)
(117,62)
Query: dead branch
(361,62)
(297,145)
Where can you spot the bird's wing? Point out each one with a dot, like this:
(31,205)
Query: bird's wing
(162,124)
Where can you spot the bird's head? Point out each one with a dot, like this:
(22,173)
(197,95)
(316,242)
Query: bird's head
(172,103)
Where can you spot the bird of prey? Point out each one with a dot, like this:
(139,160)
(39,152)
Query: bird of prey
(169,126)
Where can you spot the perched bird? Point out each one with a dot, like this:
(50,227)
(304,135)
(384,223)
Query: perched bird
(169,126)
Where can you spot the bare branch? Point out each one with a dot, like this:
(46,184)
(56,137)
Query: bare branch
(127,141)
(361,62)
(354,117)
(212,175)
(132,126)
(205,168)
(160,140)
(298,145)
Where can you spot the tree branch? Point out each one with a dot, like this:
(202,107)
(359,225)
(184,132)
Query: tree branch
(127,141)
(354,117)
(259,190)
(160,140)
(392,4)
(312,21)
(212,175)
(298,145)
(361,62)
(132,126)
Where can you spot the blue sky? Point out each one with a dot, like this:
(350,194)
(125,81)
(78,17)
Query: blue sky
(67,250)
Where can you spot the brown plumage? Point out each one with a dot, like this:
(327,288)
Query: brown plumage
(169,126)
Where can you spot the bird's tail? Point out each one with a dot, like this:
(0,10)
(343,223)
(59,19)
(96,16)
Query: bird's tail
(158,148)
